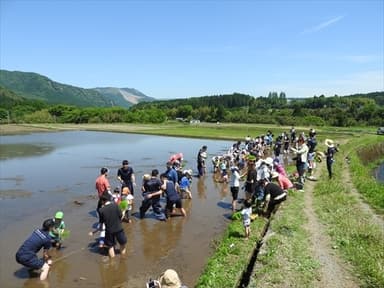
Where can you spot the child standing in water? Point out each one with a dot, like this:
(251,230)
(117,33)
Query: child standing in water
(58,229)
(127,200)
(246,214)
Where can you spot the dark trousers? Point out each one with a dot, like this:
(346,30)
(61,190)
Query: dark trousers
(273,205)
(155,203)
(329,168)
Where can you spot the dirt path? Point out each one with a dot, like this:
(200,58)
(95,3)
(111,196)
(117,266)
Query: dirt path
(333,272)
(376,219)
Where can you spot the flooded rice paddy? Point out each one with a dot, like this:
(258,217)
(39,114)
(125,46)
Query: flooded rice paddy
(41,173)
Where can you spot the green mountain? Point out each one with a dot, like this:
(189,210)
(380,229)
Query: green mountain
(38,87)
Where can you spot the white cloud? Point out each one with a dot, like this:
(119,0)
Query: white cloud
(323,25)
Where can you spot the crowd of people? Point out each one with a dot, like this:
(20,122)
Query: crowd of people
(256,162)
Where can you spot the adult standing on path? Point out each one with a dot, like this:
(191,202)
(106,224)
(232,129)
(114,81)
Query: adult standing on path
(201,156)
(126,176)
(331,150)
(301,158)
(27,253)
(110,216)
(102,185)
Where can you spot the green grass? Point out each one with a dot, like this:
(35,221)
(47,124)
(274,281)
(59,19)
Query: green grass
(353,234)
(286,260)
(231,257)
(369,187)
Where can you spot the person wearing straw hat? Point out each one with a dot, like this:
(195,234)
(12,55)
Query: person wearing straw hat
(331,150)
(282,180)
(170,279)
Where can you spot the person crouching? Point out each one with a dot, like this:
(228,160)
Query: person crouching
(173,198)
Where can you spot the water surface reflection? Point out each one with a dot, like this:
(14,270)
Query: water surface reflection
(36,184)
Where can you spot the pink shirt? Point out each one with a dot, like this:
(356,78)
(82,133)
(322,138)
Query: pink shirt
(102,184)
(284,182)
(280,169)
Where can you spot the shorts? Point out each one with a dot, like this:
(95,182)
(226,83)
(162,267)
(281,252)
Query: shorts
(110,238)
(235,192)
(177,203)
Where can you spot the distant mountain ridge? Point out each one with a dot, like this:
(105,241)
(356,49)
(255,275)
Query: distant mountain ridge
(35,86)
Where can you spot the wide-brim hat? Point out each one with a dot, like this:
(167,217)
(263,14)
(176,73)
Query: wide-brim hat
(188,172)
(274,174)
(329,143)
(170,279)
(268,161)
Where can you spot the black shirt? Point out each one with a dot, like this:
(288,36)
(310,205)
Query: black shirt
(273,189)
(110,215)
(125,174)
(153,185)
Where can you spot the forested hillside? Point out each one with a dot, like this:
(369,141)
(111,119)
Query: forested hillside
(38,87)
(353,110)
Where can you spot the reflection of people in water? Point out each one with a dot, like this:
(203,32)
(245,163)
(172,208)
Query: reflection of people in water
(159,238)
(114,273)
(201,188)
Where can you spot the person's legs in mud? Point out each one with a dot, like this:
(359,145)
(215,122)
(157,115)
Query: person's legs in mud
(144,207)
(156,206)
(179,206)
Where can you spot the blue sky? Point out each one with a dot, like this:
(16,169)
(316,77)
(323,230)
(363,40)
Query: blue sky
(180,49)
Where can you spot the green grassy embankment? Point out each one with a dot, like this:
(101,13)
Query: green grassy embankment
(354,235)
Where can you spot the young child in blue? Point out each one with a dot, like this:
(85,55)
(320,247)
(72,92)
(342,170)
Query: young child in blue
(185,184)
(58,229)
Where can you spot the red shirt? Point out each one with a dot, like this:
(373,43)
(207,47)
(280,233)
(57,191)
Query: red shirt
(102,184)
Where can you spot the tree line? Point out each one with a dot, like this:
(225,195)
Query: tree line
(276,108)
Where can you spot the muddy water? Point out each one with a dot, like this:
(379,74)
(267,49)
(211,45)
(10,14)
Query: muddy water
(44,172)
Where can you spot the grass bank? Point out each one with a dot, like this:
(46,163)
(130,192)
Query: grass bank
(353,233)
(232,255)
(365,154)
(229,131)
(286,260)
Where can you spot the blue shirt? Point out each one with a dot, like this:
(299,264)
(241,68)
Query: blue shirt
(184,183)
(171,191)
(172,175)
(39,239)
